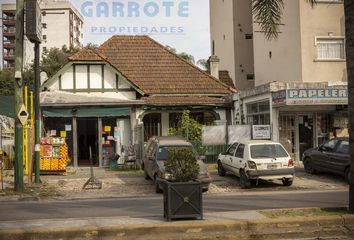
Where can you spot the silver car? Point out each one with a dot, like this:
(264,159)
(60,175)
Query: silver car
(155,155)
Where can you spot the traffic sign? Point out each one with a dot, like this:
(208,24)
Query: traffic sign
(22,115)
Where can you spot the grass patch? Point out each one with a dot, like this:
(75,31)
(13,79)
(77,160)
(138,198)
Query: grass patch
(304,212)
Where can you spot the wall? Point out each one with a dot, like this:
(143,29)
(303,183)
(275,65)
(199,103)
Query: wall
(221,32)
(284,64)
(321,20)
(243,48)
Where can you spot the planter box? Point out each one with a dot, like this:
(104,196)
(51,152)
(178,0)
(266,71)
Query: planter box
(182,200)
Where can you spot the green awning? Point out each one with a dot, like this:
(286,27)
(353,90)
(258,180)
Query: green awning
(7,106)
(86,112)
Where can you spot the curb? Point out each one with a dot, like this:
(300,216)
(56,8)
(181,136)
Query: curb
(281,228)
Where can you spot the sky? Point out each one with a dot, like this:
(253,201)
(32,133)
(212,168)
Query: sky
(181,24)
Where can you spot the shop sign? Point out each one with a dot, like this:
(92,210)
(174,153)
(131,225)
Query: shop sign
(261,132)
(328,96)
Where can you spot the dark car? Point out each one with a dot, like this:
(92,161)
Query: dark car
(332,156)
(155,155)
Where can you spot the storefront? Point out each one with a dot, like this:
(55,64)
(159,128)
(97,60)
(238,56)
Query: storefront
(301,116)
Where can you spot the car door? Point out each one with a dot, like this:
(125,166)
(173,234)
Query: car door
(228,157)
(321,157)
(339,159)
(238,161)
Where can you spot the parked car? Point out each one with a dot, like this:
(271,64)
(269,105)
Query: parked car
(155,155)
(332,156)
(251,160)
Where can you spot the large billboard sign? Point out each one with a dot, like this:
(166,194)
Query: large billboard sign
(181,24)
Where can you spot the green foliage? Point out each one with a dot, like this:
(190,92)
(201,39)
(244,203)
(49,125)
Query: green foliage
(203,63)
(182,164)
(187,57)
(55,58)
(7,83)
(190,129)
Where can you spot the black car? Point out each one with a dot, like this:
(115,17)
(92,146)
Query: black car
(332,156)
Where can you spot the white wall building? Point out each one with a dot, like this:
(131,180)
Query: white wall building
(62,25)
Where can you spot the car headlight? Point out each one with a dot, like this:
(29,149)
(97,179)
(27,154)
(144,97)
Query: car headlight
(252,165)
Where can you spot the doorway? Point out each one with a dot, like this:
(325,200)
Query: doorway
(87,143)
(306,131)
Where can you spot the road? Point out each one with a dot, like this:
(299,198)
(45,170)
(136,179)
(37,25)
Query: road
(152,206)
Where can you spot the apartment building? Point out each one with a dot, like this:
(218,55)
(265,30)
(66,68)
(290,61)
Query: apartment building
(62,25)
(300,83)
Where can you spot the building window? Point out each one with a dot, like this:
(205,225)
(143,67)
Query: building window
(249,35)
(44,37)
(258,113)
(44,49)
(44,25)
(250,77)
(330,48)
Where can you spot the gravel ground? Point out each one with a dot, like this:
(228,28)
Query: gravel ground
(132,183)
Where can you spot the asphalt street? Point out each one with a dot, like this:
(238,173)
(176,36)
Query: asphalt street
(151,207)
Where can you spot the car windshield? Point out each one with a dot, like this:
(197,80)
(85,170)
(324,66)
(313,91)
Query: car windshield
(163,152)
(268,151)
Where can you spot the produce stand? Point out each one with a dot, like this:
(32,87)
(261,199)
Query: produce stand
(54,155)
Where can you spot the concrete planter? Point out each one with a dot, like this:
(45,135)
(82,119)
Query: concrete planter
(182,200)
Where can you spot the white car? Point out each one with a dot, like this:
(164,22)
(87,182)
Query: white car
(251,160)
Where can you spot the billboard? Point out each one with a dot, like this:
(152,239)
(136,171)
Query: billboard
(181,24)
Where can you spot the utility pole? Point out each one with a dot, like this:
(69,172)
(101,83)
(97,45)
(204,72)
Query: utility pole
(37,110)
(34,34)
(19,95)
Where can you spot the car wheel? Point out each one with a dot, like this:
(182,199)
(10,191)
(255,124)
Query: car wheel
(244,181)
(157,187)
(347,174)
(287,181)
(308,166)
(221,170)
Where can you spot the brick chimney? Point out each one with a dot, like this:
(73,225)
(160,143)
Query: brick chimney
(214,66)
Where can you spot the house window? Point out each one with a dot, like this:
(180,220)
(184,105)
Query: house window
(250,76)
(44,37)
(44,25)
(330,49)
(249,36)
(258,113)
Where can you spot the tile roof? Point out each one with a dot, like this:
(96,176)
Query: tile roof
(153,68)
(224,77)
(87,54)
(184,100)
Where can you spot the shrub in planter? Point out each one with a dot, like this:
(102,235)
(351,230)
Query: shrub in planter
(182,192)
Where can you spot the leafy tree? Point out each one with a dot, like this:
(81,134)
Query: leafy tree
(55,58)
(7,82)
(182,164)
(183,55)
(190,129)
(268,14)
(203,63)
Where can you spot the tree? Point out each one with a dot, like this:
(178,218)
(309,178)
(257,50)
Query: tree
(55,58)
(268,14)
(7,83)
(203,63)
(190,129)
(184,55)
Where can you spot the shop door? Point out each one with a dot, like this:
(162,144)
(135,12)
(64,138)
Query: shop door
(306,130)
(87,135)
(287,131)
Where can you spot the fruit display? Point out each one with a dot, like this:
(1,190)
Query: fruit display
(54,155)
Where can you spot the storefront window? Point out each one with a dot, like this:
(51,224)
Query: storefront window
(330,125)
(258,113)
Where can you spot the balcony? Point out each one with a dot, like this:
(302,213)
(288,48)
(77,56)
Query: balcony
(9,22)
(8,45)
(9,34)
(9,57)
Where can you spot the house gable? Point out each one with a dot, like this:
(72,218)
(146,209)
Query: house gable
(86,76)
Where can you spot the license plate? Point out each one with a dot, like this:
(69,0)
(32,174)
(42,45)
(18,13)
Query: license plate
(272,166)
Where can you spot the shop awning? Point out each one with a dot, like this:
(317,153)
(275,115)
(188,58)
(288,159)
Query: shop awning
(86,112)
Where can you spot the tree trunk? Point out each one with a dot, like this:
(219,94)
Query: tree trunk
(349,32)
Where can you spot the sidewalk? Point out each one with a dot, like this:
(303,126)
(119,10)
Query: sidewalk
(228,225)
(125,184)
